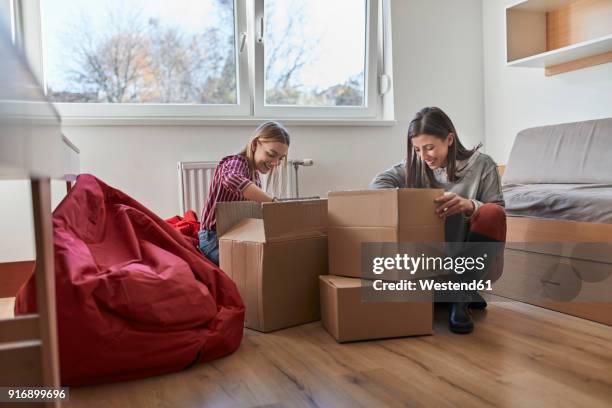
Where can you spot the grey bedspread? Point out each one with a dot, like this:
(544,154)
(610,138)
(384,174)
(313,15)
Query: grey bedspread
(577,202)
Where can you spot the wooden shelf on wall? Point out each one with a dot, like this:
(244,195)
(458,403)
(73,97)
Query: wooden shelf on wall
(559,35)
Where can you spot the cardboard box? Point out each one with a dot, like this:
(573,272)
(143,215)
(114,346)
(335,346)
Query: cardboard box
(347,318)
(389,215)
(275,253)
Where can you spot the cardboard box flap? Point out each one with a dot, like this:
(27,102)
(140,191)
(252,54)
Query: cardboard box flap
(231,213)
(375,208)
(417,207)
(341,282)
(247,230)
(295,219)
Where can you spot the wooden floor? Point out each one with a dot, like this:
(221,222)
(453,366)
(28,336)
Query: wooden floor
(519,355)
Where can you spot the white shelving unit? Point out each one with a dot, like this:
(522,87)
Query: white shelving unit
(534,28)
(566,54)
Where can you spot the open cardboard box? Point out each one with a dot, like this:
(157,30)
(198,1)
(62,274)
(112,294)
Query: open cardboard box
(378,216)
(275,253)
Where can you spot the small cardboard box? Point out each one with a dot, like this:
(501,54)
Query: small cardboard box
(389,215)
(275,253)
(348,318)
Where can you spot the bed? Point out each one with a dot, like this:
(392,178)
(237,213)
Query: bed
(558,191)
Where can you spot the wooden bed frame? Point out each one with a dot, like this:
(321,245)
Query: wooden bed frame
(535,230)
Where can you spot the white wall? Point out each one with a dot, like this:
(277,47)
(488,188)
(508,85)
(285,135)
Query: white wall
(437,52)
(17,226)
(518,98)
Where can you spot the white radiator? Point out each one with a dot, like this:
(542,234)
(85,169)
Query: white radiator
(194,181)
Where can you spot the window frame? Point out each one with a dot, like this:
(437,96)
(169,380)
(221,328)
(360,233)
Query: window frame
(378,107)
(370,109)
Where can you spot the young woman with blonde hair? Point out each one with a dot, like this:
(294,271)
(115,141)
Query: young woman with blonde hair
(237,178)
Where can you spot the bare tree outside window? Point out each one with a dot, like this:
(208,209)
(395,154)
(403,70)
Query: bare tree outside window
(155,51)
(137,58)
(315,54)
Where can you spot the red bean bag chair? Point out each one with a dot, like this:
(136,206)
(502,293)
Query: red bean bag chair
(134,297)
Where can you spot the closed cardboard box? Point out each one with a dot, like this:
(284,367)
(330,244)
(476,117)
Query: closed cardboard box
(378,216)
(348,318)
(275,253)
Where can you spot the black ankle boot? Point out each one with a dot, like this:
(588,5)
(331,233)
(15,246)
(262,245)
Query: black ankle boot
(459,318)
(477,301)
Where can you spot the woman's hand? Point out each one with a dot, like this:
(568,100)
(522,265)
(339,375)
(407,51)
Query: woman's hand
(254,193)
(451,204)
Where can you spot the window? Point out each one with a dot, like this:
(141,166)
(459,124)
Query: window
(208,58)
(316,58)
(139,52)
(315,52)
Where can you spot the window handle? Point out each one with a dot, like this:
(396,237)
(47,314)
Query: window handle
(243,37)
(260,35)
(384,84)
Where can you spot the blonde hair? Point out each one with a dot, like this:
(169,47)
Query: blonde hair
(268,132)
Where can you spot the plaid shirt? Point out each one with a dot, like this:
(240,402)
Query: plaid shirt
(232,176)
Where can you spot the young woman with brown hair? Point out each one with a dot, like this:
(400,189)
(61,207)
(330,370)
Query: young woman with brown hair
(473,203)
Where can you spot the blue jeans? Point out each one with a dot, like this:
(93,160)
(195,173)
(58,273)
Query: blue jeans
(209,245)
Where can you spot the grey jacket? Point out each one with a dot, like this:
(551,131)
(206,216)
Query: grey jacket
(478,181)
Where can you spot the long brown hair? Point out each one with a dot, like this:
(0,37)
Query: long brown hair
(433,121)
(268,132)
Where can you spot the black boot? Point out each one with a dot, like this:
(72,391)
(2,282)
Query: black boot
(459,318)
(477,301)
